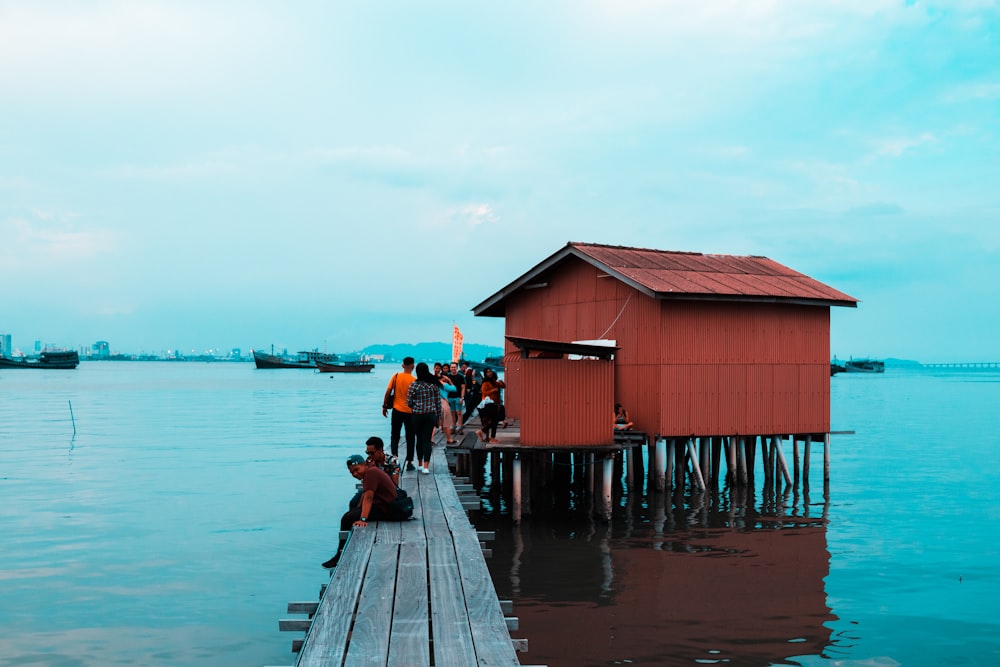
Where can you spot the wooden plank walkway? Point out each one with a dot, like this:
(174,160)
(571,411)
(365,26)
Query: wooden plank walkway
(411,593)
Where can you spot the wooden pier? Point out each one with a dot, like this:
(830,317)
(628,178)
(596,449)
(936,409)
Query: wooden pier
(411,593)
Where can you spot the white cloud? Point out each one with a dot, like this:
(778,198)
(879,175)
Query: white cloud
(125,49)
(474,215)
(48,242)
(893,147)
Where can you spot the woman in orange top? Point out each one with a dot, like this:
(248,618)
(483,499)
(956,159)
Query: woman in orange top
(489,413)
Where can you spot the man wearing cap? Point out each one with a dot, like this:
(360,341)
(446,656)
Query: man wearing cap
(377,492)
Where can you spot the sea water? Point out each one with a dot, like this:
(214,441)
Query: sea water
(161,513)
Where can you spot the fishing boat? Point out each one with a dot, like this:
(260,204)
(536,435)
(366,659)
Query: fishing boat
(864,366)
(47,359)
(353,366)
(303,359)
(836,367)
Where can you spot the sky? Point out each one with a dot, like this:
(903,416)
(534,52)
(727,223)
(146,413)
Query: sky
(190,175)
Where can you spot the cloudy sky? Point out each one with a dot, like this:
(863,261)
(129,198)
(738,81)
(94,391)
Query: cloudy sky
(195,175)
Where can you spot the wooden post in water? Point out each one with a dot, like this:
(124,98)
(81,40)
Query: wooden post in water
(741,459)
(627,454)
(527,481)
(706,456)
(590,473)
(671,455)
(516,477)
(609,466)
(695,468)
(806,451)
(728,443)
(782,463)
(661,464)
(795,460)
(826,466)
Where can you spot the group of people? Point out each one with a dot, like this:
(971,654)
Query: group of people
(420,402)
(446,399)
(380,498)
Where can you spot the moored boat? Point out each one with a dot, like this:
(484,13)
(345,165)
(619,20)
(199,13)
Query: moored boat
(303,359)
(864,366)
(354,366)
(47,359)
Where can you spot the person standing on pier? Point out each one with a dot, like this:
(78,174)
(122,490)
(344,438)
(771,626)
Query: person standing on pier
(377,495)
(457,403)
(402,417)
(424,400)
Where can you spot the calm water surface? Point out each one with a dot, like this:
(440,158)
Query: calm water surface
(195,500)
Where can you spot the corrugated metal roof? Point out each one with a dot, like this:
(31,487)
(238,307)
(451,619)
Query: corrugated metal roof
(666,274)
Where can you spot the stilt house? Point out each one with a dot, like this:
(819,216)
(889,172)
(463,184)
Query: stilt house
(693,345)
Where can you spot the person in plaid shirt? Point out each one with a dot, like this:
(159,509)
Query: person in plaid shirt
(424,400)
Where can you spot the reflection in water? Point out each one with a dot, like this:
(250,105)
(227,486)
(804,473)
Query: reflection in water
(671,580)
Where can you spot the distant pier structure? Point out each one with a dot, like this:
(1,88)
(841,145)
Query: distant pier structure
(964,364)
(714,356)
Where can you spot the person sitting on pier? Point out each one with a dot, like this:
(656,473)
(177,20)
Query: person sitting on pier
(375,450)
(622,420)
(378,493)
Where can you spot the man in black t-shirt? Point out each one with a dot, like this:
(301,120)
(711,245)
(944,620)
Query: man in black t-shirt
(456,401)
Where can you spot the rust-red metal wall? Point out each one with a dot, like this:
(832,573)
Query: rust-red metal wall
(566,402)
(685,367)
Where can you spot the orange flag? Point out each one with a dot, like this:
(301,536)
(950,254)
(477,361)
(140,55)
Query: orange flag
(456,343)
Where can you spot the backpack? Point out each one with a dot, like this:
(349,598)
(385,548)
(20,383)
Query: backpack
(401,508)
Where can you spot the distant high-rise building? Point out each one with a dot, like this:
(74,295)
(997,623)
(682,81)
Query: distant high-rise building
(5,347)
(101,350)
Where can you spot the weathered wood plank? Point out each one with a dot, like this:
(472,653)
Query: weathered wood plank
(369,644)
(302,607)
(409,641)
(450,629)
(293,624)
(492,639)
(326,641)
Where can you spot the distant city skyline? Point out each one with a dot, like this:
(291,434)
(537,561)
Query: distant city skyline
(323,175)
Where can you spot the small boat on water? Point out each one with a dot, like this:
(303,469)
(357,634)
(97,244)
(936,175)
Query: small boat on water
(864,366)
(354,366)
(836,367)
(47,359)
(303,359)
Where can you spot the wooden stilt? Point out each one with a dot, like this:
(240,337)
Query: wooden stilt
(795,461)
(741,459)
(696,469)
(527,481)
(609,466)
(705,451)
(716,460)
(826,466)
(729,443)
(629,454)
(590,473)
(516,495)
(680,464)
(782,463)
(806,451)
(661,464)
(671,454)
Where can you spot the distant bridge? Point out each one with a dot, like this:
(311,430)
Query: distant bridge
(968,364)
